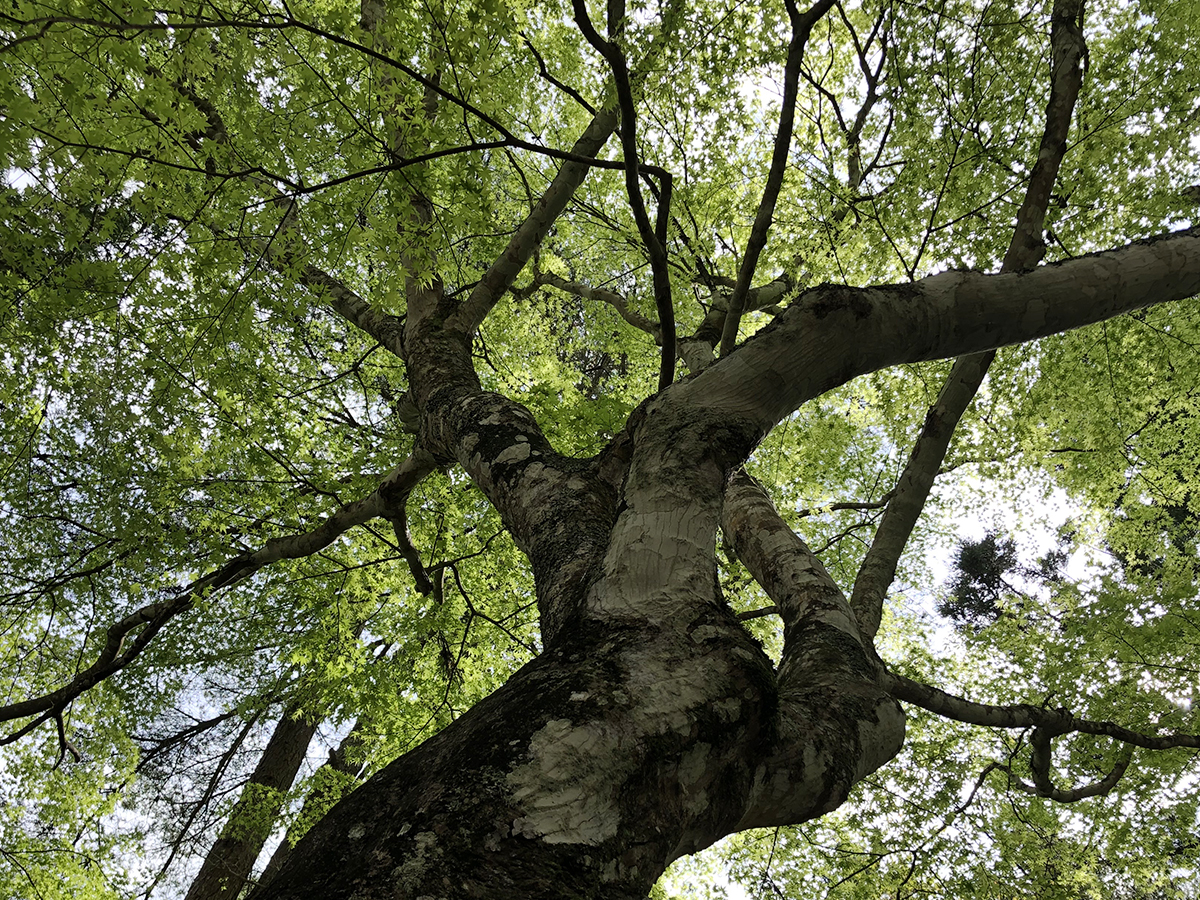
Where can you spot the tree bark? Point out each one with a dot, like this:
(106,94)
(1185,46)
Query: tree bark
(228,863)
(652,724)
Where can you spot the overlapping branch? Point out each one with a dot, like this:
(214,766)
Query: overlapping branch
(126,639)
(654,238)
(1024,252)
(695,349)
(820,633)
(576,164)
(802,26)
(612,298)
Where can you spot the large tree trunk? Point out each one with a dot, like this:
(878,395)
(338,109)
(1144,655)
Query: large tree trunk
(653,724)
(589,771)
(228,863)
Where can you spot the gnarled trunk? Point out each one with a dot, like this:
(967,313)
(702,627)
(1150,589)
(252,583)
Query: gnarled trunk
(623,748)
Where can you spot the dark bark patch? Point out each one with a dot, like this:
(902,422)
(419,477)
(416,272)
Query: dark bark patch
(828,299)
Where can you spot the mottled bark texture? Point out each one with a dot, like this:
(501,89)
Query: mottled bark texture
(652,724)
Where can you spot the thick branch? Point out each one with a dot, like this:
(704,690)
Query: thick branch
(791,575)
(832,334)
(912,488)
(827,681)
(387,329)
(342,762)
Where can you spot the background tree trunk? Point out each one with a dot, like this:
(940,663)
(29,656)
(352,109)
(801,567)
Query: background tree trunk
(343,760)
(228,863)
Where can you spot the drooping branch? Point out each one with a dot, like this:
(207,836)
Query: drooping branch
(399,521)
(125,640)
(802,25)
(1024,252)
(1072,795)
(1047,724)
(1053,722)
(1043,786)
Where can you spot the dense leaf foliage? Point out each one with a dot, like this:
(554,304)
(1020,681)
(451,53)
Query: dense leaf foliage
(185,182)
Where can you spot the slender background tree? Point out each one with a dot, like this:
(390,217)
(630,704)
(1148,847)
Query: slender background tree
(479,449)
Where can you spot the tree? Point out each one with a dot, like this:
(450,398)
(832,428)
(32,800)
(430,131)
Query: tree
(469,372)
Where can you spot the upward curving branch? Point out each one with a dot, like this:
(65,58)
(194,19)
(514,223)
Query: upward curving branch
(125,640)
(1025,251)
(533,229)
(802,26)
(832,333)
(654,238)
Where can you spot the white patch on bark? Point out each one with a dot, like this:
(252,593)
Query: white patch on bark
(426,853)
(691,773)
(729,709)
(568,787)
(659,560)
(516,453)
